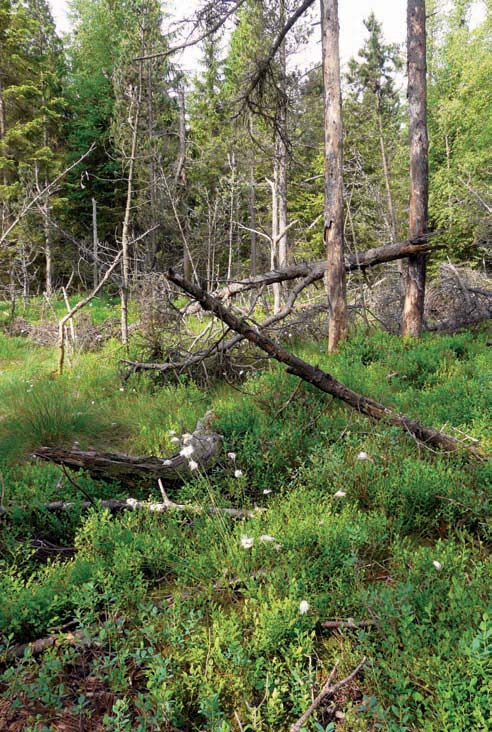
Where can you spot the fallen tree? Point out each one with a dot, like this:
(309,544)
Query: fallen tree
(316,270)
(202,448)
(320,379)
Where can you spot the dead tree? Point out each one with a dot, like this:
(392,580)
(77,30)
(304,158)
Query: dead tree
(202,447)
(333,230)
(361,261)
(320,379)
(413,309)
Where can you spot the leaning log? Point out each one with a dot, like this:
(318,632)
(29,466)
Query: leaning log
(203,447)
(321,379)
(316,270)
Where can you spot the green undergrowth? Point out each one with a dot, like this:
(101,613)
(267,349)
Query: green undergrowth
(192,621)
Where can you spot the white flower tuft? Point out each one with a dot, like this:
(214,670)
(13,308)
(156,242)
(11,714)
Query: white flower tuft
(267,491)
(339,494)
(193,465)
(362,456)
(238,473)
(187,451)
(304,607)
(267,537)
(175,440)
(172,432)
(247,542)
(437,564)
(231,455)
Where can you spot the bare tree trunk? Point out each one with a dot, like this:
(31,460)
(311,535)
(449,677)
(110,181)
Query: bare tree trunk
(274,240)
(180,179)
(232,194)
(125,234)
(48,250)
(151,249)
(333,231)
(252,216)
(413,310)
(95,245)
(281,153)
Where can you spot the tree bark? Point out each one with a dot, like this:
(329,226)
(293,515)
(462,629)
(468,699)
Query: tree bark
(333,230)
(320,379)
(95,245)
(413,310)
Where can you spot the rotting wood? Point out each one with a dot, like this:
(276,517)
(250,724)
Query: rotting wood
(427,436)
(206,444)
(361,261)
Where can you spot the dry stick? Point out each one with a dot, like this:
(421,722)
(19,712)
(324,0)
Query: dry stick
(369,258)
(77,307)
(327,690)
(350,624)
(320,379)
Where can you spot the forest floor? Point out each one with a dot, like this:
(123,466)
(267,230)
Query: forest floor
(198,621)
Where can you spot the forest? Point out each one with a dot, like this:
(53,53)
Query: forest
(245,368)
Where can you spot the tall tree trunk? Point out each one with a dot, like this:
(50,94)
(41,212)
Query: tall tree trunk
(95,245)
(3,130)
(125,234)
(151,249)
(281,153)
(252,215)
(181,180)
(333,230)
(48,249)
(413,310)
(274,240)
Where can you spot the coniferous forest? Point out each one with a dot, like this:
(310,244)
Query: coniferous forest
(245,368)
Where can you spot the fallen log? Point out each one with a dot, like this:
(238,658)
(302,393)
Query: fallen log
(201,450)
(320,379)
(316,270)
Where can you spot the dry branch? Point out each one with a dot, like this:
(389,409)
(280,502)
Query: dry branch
(132,504)
(206,444)
(320,379)
(316,270)
(327,690)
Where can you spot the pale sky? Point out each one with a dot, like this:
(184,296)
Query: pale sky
(391,13)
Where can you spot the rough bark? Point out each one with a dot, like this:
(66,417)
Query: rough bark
(333,210)
(361,261)
(207,446)
(320,379)
(413,310)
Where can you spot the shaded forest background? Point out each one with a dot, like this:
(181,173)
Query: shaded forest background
(208,150)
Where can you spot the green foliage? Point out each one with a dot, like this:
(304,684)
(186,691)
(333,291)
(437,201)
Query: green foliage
(196,617)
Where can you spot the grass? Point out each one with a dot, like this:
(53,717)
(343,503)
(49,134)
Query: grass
(193,631)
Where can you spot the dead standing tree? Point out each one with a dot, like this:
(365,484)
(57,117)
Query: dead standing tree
(333,230)
(413,310)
